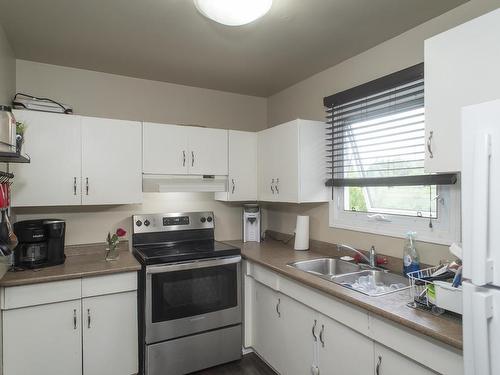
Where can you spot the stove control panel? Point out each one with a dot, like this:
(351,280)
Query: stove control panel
(150,223)
(176,220)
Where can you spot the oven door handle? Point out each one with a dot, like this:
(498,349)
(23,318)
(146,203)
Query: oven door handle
(193,265)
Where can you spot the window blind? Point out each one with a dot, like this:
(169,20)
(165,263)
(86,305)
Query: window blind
(376,133)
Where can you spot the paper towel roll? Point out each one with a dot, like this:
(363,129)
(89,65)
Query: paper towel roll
(302,233)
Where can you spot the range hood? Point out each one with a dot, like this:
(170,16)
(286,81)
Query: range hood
(179,183)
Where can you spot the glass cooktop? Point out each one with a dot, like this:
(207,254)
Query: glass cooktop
(185,250)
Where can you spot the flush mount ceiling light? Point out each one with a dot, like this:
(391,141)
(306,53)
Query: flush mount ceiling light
(233,12)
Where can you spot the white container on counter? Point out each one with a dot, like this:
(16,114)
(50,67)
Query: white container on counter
(448,297)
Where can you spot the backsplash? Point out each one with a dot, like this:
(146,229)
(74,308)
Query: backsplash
(90,224)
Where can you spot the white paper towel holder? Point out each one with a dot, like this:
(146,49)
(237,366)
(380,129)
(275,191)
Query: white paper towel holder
(302,233)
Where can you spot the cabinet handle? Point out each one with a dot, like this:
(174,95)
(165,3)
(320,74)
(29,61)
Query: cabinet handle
(74,185)
(321,335)
(429,144)
(272,188)
(314,330)
(192,158)
(377,371)
(277,184)
(183,158)
(234,186)
(88,318)
(74,318)
(87,186)
(278,308)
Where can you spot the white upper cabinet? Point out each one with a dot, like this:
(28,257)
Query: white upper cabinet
(111,161)
(78,160)
(292,162)
(53,141)
(461,68)
(242,177)
(183,150)
(207,151)
(165,149)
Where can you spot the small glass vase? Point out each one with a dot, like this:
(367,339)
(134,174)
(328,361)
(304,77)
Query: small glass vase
(112,252)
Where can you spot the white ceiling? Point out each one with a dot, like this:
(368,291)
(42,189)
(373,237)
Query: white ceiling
(168,40)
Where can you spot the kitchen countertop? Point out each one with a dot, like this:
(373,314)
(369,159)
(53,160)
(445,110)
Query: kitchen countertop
(275,256)
(81,261)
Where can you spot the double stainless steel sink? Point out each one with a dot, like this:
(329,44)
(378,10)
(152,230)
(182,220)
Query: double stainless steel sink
(359,277)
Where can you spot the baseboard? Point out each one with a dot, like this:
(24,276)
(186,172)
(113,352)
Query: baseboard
(246,351)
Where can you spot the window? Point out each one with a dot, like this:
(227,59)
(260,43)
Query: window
(376,160)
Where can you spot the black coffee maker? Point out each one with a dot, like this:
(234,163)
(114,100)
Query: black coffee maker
(41,243)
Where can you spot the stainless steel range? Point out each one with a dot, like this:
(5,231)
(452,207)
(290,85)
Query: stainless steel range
(190,293)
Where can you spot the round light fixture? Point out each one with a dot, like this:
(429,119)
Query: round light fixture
(233,12)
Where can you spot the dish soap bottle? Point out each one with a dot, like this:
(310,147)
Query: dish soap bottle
(411,260)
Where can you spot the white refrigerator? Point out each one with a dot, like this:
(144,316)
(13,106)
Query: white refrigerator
(481,237)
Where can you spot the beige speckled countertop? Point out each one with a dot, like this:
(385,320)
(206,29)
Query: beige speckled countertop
(276,256)
(81,261)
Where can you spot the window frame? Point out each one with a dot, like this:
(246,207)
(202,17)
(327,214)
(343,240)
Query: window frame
(446,228)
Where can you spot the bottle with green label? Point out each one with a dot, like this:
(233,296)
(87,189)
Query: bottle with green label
(411,260)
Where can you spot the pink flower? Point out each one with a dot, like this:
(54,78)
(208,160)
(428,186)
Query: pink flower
(120,232)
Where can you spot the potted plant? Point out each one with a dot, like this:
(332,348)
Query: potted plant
(112,241)
(20,129)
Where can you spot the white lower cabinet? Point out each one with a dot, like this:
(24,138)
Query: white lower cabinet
(295,339)
(341,350)
(268,327)
(298,337)
(44,339)
(110,334)
(300,331)
(389,362)
(91,336)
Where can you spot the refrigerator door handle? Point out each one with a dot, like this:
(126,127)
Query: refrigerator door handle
(482,312)
(482,265)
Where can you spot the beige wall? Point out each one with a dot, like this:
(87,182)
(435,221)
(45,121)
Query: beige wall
(7,70)
(305,100)
(108,95)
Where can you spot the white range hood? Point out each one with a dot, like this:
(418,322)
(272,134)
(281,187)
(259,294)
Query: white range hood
(179,183)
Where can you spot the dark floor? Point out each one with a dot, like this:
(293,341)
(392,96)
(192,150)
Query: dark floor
(250,364)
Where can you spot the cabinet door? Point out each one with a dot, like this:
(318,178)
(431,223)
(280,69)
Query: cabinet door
(461,68)
(208,151)
(300,336)
(111,161)
(110,334)
(45,339)
(388,362)
(268,327)
(267,158)
(165,149)
(242,167)
(53,141)
(343,351)
(286,152)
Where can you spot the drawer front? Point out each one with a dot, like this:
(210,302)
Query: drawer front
(108,284)
(193,353)
(39,294)
(263,276)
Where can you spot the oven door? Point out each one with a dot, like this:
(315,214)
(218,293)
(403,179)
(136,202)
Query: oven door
(190,297)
